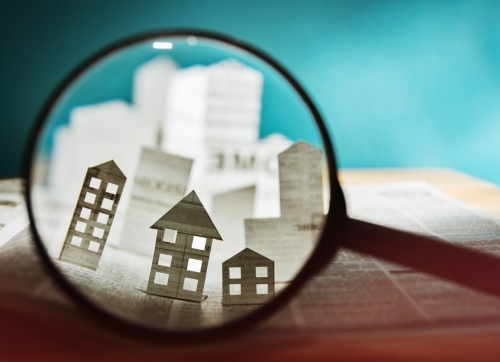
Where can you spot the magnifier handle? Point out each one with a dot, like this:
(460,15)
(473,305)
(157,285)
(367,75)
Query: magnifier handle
(450,261)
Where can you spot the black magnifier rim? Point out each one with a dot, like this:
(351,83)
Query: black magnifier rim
(325,249)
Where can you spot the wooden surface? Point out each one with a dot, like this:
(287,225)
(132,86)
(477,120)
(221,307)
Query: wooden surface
(36,330)
(474,192)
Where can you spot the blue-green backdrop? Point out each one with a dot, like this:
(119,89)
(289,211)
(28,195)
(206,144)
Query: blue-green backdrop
(401,83)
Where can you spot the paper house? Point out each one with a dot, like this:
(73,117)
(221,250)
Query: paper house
(247,278)
(182,251)
(219,104)
(93,216)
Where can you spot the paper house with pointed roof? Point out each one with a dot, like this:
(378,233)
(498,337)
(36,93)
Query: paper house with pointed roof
(182,251)
(93,216)
(247,278)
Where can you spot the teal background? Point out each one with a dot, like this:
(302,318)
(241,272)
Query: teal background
(111,77)
(401,83)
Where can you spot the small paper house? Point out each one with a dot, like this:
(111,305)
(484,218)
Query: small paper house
(93,216)
(247,278)
(183,245)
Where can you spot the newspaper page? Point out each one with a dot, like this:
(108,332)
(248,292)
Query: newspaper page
(360,292)
(354,292)
(12,212)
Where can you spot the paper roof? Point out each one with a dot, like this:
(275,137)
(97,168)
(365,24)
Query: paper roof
(248,253)
(189,216)
(110,167)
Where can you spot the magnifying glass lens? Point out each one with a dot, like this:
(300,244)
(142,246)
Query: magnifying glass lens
(179,182)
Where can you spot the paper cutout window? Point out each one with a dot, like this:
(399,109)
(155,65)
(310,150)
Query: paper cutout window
(95,183)
(235,273)
(161,278)
(194,265)
(165,260)
(107,204)
(90,197)
(85,213)
(94,246)
(102,218)
(98,233)
(261,272)
(199,243)
(235,289)
(169,235)
(80,226)
(112,188)
(262,288)
(76,240)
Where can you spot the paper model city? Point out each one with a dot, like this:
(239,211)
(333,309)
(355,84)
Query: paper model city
(185,233)
(178,223)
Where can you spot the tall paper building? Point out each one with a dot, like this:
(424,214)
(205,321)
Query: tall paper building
(213,116)
(114,130)
(217,104)
(289,239)
(160,180)
(93,216)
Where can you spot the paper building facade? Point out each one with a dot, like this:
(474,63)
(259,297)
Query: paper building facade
(289,239)
(247,278)
(301,182)
(159,182)
(219,104)
(213,116)
(182,251)
(93,215)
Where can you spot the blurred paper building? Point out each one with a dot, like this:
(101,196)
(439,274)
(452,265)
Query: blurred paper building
(219,105)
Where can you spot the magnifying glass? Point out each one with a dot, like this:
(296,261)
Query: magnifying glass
(184,184)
